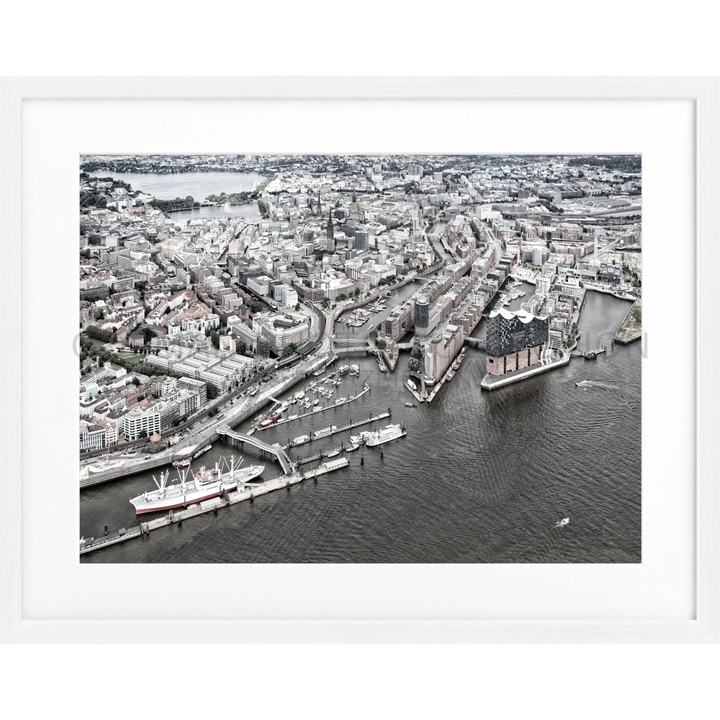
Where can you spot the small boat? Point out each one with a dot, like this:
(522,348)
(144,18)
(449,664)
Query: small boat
(562,523)
(409,404)
(350,448)
(340,401)
(332,453)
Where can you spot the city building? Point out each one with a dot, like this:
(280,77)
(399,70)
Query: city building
(515,340)
(441,351)
(422,311)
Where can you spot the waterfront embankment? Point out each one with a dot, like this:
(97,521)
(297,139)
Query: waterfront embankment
(631,327)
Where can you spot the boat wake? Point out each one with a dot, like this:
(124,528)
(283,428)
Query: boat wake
(598,385)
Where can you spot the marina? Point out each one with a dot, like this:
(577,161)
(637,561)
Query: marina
(312,410)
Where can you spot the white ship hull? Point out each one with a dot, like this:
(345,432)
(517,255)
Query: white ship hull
(392,432)
(174,497)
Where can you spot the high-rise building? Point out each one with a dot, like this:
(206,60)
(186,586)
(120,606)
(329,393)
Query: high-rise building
(442,350)
(422,311)
(515,340)
(362,241)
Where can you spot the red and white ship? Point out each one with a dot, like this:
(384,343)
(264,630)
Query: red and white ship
(204,485)
(271,419)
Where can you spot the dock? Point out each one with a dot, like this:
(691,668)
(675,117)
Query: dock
(314,411)
(344,428)
(227,499)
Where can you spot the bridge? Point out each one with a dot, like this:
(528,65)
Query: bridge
(349,343)
(360,351)
(254,446)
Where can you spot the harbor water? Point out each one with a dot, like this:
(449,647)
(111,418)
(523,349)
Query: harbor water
(479,477)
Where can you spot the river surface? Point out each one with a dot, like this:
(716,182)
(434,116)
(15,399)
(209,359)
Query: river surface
(479,477)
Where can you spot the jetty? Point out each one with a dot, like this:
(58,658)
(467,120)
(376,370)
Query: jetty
(227,499)
(334,430)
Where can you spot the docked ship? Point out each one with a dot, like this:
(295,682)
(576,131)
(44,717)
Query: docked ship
(271,419)
(204,485)
(324,432)
(388,433)
(381,364)
(202,451)
(354,370)
(343,369)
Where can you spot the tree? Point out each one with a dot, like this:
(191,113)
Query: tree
(381,344)
(143,434)
(413,364)
(373,334)
(99,314)
(256,306)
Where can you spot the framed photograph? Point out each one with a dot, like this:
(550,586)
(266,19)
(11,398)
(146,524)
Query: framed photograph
(360,360)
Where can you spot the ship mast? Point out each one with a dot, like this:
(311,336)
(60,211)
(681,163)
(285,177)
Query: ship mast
(163,482)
